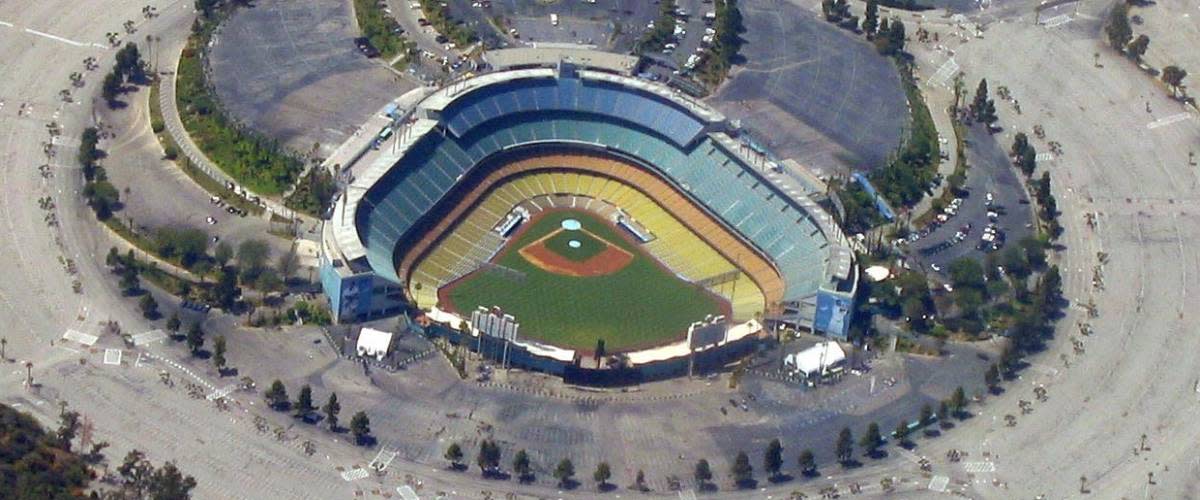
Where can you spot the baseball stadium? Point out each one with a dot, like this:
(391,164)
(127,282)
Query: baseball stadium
(573,216)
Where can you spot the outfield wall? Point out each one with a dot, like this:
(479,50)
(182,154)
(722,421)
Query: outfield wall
(513,355)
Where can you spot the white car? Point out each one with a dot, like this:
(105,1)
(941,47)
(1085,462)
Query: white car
(210,220)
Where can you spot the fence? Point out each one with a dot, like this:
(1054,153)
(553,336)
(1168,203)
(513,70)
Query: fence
(499,350)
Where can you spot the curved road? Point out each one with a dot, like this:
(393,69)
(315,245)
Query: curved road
(1136,375)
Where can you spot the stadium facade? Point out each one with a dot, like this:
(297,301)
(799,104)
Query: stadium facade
(579,117)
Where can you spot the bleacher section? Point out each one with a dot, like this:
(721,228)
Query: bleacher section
(676,246)
(603,116)
(480,106)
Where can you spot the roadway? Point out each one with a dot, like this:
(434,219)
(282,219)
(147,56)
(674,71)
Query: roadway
(1135,376)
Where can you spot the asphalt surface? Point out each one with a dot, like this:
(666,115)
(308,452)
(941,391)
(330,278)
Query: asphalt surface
(1135,376)
(814,92)
(990,171)
(284,68)
(608,24)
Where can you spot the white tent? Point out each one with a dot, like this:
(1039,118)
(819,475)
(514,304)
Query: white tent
(372,342)
(878,273)
(816,359)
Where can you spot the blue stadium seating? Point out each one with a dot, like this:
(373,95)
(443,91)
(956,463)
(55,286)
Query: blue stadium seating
(627,121)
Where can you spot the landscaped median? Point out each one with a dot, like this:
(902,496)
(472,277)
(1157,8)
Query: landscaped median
(254,162)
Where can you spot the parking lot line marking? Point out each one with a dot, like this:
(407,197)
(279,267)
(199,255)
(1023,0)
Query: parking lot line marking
(939,483)
(1057,21)
(6,24)
(1168,120)
(56,38)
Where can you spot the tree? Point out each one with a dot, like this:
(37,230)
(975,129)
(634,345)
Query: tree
(991,377)
(276,395)
(129,63)
(871,440)
(845,446)
(129,283)
(1027,160)
(252,256)
(68,428)
(304,401)
(223,253)
(564,472)
(1118,30)
(871,19)
(331,409)
(702,473)
(1137,48)
(288,263)
(742,471)
(219,352)
(807,462)
(967,273)
(522,467)
(454,455)
(926,414)
(103,198)
(944,413)
(1173,76)
(639,481)
(983,108)
(111,88)
(195,339)
(773,458)
(896,35)
(360,427)
(489,456)
(902,432)
(173,323)
(135,473)
(226,291)
(958,401)
(602,474)
(149,307)
(168,483)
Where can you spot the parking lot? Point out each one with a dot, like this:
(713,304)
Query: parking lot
(814,92)
(961,229)
(284,67)
(607,24)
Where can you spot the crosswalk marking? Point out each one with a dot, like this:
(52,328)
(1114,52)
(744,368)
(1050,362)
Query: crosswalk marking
(80,337)
(112,357)
(355,474)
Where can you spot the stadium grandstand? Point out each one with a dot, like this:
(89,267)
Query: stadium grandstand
(472,161)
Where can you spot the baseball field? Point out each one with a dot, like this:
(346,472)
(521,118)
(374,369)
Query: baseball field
(572,279)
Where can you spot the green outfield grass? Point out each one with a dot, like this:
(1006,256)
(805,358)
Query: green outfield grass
(640,304)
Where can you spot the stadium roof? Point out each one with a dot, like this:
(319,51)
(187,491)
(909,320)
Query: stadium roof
(549,55)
